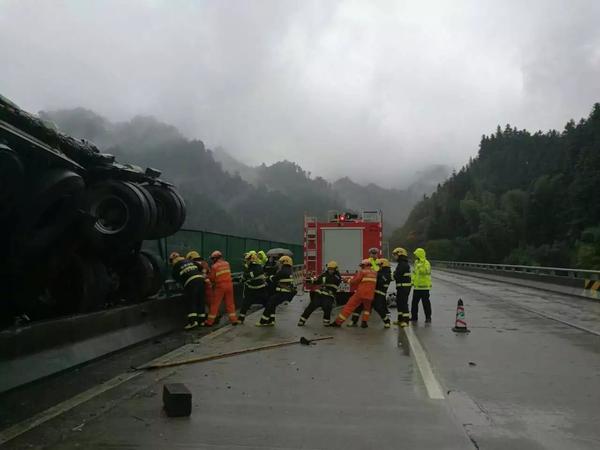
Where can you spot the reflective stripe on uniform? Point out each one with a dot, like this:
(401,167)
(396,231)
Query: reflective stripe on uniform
(193,277)
(250,286)
(221,272)
(403,284)
(231,314)
(380,292)
(193,315)
(328,294)
(369,280)
(283,290)
(286,280)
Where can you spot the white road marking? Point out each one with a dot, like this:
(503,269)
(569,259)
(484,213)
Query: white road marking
(61,408)
(434,389)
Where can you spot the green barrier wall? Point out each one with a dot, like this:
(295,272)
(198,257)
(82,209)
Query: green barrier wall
(205,242)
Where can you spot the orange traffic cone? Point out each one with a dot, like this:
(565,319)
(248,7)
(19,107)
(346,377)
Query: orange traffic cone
(460,325)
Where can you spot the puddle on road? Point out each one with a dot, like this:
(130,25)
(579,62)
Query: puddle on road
(403,342)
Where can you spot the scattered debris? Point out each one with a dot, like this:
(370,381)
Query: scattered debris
(78,427)
(471,363)
(302,341)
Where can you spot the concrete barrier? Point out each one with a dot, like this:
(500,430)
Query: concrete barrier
(45,348)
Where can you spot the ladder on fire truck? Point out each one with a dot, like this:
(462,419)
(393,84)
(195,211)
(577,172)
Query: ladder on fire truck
(310,245)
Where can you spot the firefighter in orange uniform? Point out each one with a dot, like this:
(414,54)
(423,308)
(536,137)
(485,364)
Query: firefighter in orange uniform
(364,284)
(220,276)
(203,266)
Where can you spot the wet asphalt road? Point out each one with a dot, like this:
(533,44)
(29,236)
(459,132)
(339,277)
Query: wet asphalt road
(519,380)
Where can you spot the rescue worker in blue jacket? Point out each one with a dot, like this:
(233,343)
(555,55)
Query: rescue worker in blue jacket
(255,284)
(283,283)
(403,279)
(384,278)
(324,297)
(187,273)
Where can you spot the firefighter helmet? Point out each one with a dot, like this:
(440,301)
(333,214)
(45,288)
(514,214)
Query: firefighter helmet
(332,265)
(365,263)
(192,255)
(216,254)
(286,260)
(383,262)
(373,251)
(399,251)
(251,256)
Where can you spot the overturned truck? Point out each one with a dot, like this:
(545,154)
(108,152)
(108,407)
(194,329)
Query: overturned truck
(72,222)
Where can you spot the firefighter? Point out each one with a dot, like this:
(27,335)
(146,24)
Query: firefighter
(255,284)
(364,283)
(187,273)
(384,278)
(220,276)
(283,283)
(323,297)
(203,266)
(402,277)
(373,257)
(421,280)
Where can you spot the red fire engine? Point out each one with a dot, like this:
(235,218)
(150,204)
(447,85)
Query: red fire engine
(345,237)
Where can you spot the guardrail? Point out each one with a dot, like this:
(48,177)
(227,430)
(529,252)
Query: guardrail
(577,274)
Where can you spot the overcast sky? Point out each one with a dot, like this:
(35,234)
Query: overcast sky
(370,89)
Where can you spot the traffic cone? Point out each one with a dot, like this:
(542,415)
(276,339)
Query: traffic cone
(460,325)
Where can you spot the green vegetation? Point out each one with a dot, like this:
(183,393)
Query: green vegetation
(525,199)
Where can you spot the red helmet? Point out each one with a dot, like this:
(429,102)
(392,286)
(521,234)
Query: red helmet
(216,254)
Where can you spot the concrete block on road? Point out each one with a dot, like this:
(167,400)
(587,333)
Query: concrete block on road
(177,400)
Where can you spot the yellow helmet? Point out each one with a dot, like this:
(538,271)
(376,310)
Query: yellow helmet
(286,260)
(399,251)
(251,256)
(383,262)
(262,257)
(332,265)
(192,255)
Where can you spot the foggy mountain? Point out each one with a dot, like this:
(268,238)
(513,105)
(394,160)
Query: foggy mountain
(396,203)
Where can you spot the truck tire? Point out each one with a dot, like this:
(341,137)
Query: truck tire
(171,211)
(157,274)
(49,210)
(121,215)
(83,285)
(153,210)
(136,277)
(11,180)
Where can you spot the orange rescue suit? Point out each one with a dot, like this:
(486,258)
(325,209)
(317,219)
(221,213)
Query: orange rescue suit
(220,276)
(364,285)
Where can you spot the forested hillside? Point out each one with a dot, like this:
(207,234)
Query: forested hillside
(525,199)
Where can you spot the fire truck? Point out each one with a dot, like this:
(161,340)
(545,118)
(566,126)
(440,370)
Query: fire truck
(345,237)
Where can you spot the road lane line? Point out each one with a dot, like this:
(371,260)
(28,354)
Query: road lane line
(434,389)
(26,425)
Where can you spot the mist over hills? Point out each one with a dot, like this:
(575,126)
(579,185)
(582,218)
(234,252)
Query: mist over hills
(225,195)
